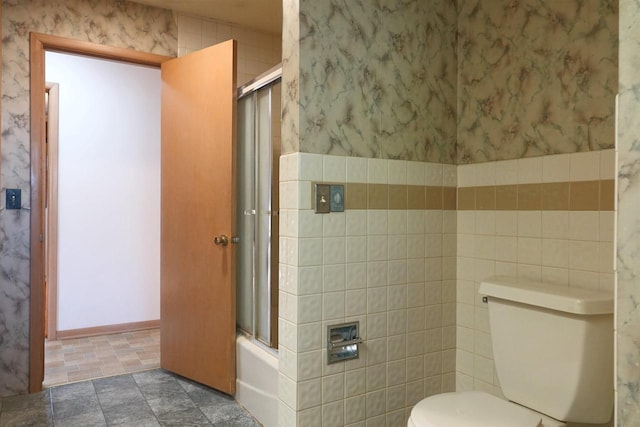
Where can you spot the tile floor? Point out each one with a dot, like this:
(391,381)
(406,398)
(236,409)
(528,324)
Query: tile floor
(78,359)
(151,398)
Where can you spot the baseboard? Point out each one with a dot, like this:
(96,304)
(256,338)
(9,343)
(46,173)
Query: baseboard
(107,329)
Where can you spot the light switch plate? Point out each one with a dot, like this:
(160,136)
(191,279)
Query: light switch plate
(323,198)
(13,200)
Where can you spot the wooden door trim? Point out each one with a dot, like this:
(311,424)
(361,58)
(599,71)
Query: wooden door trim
(39,43)
(108,329)
(51,233)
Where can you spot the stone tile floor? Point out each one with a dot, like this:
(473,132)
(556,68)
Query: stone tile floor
(150,398)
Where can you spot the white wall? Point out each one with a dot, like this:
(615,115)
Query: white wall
(109,191)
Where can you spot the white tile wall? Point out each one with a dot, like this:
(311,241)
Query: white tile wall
(585,166)
(411,279)
(397,170)
(507,172)
(529,170)
(357,169)
(377,171)
(556,168)
(565,248)
(449,175)
(383,268)
(467,175)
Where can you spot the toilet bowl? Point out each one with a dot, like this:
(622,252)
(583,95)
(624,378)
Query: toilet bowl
(475,409)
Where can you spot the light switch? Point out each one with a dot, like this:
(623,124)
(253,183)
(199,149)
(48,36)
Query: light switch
(323,198)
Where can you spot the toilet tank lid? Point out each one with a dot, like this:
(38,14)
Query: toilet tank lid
(560,298)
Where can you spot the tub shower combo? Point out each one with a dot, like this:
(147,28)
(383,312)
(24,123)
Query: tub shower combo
(258,156)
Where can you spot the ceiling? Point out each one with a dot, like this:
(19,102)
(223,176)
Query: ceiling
(263,15)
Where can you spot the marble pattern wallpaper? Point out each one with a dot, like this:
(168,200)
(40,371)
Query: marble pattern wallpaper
(628,238)
(490,80)
(290,142)
(535,77)
(116,23)
(377,78)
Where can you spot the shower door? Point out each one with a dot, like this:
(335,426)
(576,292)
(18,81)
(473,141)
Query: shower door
(257,214)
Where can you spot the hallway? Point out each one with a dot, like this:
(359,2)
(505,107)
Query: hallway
(151,398)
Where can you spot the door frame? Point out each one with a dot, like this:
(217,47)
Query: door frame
(51,208)
(39,43)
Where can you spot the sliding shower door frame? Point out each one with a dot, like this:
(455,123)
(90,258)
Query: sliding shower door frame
(262,208)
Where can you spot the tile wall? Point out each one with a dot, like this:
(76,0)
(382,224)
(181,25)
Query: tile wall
(388,261)
(257,51)
(548,219)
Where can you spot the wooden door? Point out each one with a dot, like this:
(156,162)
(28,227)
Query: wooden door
(198,306)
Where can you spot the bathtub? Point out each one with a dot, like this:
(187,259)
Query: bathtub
(257,380)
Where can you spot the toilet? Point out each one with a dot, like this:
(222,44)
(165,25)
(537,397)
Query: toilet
(553,353)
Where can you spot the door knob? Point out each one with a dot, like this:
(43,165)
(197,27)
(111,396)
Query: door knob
(221,240)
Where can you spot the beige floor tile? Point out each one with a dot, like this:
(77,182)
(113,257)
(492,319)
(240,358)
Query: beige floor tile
(131,362)
(73,357)
(89,365)
(94,357)
(53,363)
(57,370)
(108,358)
(146,355)
(84,375)
(113,369)
(55,379)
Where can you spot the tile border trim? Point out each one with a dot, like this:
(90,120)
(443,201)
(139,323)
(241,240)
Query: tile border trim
(596,195)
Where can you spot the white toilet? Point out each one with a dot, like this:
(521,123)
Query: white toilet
(553,352)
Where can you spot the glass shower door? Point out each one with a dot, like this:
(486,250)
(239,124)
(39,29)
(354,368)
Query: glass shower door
(258,158)
(245,221)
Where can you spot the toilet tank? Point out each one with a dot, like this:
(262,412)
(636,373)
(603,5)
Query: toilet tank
(553,347)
